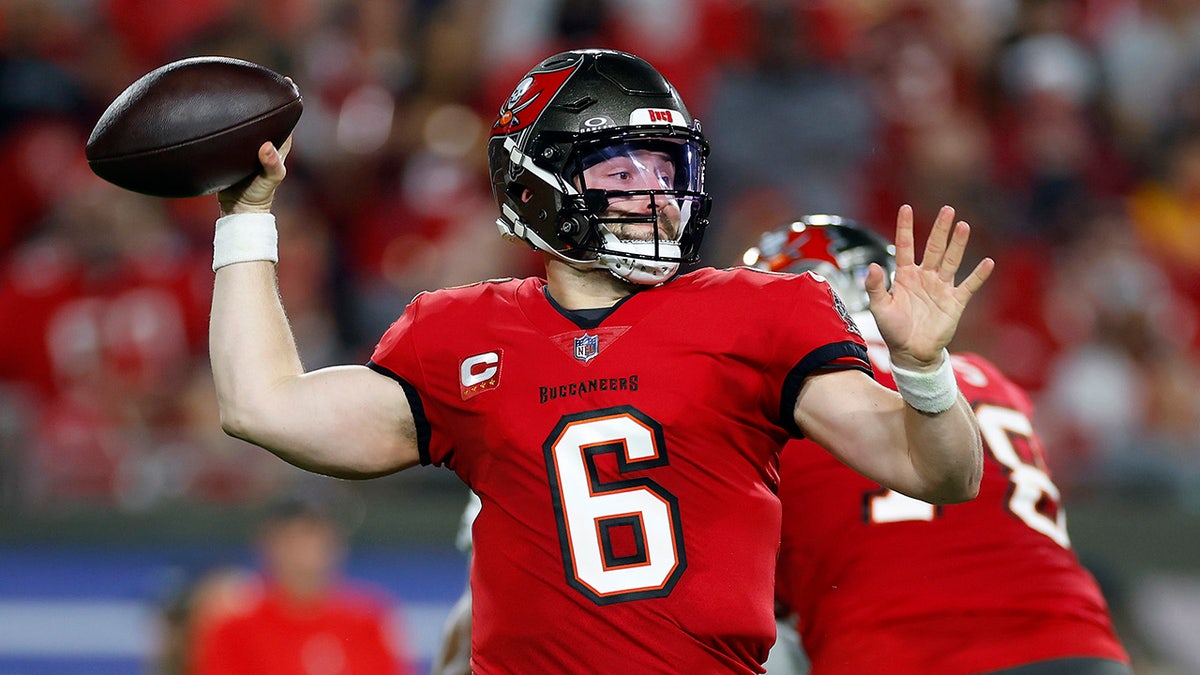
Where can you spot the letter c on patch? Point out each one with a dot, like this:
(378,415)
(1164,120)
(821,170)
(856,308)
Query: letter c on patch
(478,368)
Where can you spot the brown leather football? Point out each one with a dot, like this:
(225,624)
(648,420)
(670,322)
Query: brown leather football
(193,127)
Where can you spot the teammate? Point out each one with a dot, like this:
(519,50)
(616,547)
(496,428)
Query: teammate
(881,582)
(620,423)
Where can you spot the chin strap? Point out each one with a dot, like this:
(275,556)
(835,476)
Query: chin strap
(639,270)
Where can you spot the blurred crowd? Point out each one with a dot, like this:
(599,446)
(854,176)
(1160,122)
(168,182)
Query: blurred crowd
(1067,132)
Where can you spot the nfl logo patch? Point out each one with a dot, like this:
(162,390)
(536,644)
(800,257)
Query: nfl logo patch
(587,347)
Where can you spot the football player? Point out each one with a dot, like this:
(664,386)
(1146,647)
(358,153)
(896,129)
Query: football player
(879,582)
(619,421)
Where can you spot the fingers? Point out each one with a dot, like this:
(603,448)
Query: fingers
(954,252)
(876,285)
(255,194)
(272,160)
(975,279)
(935,246)
(904,236)
(944,251)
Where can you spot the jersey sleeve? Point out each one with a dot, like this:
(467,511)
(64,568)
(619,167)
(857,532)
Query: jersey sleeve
(396,356)
(820,335)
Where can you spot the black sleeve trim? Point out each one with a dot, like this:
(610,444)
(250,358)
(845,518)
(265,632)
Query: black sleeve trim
(820,358)
(418,410)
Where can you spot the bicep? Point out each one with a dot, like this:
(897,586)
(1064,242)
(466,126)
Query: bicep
(857,420)
(345,421)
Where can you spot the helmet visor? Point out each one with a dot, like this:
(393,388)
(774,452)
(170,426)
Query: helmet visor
(642,190)
(641,164)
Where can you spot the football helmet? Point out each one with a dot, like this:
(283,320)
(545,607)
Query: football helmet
(839,249)
(595,160)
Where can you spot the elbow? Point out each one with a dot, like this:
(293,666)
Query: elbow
(976,481)
(234,425)
(963,484)
(342,458)
(957,493)
(974,473)
(962,476)
(238,420)
(960,492)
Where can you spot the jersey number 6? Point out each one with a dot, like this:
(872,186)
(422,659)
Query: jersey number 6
(621,539)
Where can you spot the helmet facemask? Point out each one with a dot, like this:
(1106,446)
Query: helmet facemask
(639,204)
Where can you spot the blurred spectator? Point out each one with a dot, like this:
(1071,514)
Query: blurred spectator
(669,33)
(1053,151)
(1113,391)
(188,458)
(423,229)
(33,83)
(152,42)
(924,83)
(194,607)
(41,163)
(811,123)
(310,290)
(112,308)
(1166,205)
(303,616)
(1146,48)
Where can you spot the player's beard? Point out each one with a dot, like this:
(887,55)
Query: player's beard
(666,228)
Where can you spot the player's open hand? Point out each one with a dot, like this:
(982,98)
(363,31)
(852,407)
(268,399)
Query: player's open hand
(256,194)
(919,315)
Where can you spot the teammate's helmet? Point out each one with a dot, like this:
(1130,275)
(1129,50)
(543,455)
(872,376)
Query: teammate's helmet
(839,249)
(574,111)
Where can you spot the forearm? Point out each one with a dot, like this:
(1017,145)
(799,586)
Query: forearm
(934,457)
(250,342)
(941,433)
(945,451)
(250,345)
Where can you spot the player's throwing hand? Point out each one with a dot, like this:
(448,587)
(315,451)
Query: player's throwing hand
(256,195)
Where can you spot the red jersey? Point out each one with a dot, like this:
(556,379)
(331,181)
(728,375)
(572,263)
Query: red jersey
(627,467)
(883,582)
(346,633)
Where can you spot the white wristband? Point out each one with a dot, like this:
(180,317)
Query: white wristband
(243,237)
(930,392)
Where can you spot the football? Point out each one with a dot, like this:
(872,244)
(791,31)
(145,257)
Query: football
(192,127)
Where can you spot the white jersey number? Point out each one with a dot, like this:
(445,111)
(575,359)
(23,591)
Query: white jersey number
(1031,485)
(622,539)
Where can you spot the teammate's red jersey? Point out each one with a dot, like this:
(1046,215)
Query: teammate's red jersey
(881,582)
(627,469)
